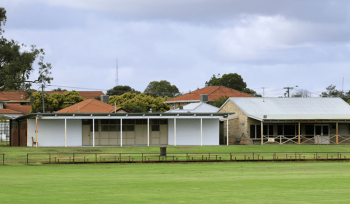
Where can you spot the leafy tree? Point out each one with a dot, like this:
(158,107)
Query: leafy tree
(218,103)
(55,101)
(251,92)
(162,88)
(16,65)
(332,92)
(140,102)
(231,80)
(59,89)
(119,90)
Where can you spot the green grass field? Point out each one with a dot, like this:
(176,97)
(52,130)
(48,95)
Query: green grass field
(316,182)
(228,182)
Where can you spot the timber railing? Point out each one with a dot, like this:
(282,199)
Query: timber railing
(306,139)
(82,158)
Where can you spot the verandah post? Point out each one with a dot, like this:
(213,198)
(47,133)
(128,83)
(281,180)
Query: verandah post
(337,139)
(299,133)
(262,133)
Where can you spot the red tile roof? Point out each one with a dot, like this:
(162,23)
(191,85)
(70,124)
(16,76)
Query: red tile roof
(9,111)
(214,92)
(14,95)
(25,109)
(90,106)
(3,99)
(84,94)
(21,95)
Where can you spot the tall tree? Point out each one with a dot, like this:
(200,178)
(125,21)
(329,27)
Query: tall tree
(17,62)
(302,93)
(231,80)
(55,101)
(120,90)
(162,88)
(332,92)
(140,102)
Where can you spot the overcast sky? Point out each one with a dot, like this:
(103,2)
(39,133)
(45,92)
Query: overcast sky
(270,43)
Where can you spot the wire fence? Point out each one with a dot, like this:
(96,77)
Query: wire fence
(80,158)
(4,131)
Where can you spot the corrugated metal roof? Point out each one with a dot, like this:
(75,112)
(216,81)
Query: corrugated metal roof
(196,108)
(293,108)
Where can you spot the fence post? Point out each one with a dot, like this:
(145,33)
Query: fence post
(73,157)
(186,156)
(49,158)
(3,158)
(142,157)
(27,158)
(95,158)
(253,156)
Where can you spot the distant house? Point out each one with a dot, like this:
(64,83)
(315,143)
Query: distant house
(12,110)
(213,92)
(21,97)
(288,120)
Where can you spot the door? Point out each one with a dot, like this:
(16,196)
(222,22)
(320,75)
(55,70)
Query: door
(141,134)
(86,135)
(322,134)
(163,134)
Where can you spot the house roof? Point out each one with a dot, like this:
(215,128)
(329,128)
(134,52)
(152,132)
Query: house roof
(84,94)
(25,109)
(195,108)
(214,92)
(9,111)
(90,106)
(21,95)
(293,108)
(3,99)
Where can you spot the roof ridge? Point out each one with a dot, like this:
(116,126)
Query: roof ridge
(214,90)
(87,102)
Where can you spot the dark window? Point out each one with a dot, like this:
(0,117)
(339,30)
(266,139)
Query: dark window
(258,131)
(128,128)
(104,121)
(280,130)
(309,130)
(114,128)
(289,130)
(155,127)
(252,131)
(104,128)
(265,130)
(271,130)
(325,130)
(163,121)
(114,121)
(14,125)
(130,121)
(154,121)
(141,121)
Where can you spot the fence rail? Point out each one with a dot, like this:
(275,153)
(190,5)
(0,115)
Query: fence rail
(80,158)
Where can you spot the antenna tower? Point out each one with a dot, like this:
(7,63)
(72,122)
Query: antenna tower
(116,75)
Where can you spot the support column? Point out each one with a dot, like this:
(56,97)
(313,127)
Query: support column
(121,132)
(65,132)
(299,132)
(174,131)
(227,131)
(36,131)
(336,137)
(147,131)
(262,132)
(201,131)
(93,132)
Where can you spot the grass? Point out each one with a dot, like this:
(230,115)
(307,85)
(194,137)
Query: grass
(229,182)
(310,182)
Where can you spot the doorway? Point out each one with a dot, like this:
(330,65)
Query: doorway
(322,134)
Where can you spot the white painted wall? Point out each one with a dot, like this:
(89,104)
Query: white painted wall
(51,132)
(188,132)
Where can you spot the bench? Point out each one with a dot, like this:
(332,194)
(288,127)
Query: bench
(34,143)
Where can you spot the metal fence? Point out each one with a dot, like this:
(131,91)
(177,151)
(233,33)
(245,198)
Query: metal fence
(4,131)
(79,158)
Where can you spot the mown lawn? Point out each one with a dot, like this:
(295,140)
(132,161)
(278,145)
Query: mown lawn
(304,182)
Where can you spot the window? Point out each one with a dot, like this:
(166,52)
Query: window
(128,128)
(155,128)
(309,130)
(141,121)
(255,131)
(287,130)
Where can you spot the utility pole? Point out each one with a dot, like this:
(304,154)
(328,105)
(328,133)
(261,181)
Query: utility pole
(264,92)
(42,97)
(288,89)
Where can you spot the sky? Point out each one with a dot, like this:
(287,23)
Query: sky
(270,43)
